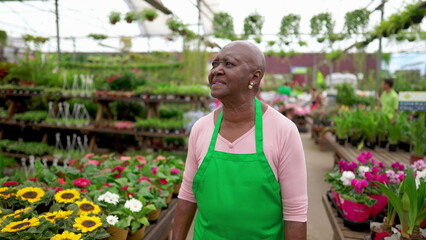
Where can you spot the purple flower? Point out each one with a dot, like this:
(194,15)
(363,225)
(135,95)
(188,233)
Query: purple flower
(382,165)
(359,185)
(418,165)
(374,161)
(398,166)
(364,157)
(343,165)
(375,170)
(369,176)
(352,166)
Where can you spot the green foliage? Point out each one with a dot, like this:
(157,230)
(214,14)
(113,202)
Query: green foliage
(31,116)
(30,148)
(174,89)
(356,21)
(149,14)
(322,24)
(342,125)
(114,17)
(253,24)
(98,36)
(3,38)
(334,55)
(175,24)
(126,81)
(223,26)
(131,16)
(419,135)
(175,124)
(345,94)
(289,25)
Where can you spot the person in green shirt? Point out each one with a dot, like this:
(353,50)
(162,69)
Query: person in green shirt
(389,98)
(285,90)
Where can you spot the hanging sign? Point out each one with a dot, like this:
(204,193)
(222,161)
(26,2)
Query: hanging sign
(413,101)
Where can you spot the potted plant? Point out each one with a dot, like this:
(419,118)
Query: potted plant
(253,24)
(289,26)
(393,136)
(369,128)
(131,16)
(223,26)
(98,36)
(356,21)
(341,129)
(419,138)
(114,17)
(175,24)
(149,14)
(382,129)
(408,204)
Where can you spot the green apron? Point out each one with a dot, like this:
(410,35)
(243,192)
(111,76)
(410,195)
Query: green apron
(238,196)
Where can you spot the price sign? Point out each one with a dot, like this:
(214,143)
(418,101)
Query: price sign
(413,101)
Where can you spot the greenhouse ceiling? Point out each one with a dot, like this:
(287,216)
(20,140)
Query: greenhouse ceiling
(79,18)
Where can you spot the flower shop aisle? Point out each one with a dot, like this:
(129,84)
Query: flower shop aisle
(318,163)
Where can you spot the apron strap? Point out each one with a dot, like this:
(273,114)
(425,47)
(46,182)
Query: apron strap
(215,133)
(259,127)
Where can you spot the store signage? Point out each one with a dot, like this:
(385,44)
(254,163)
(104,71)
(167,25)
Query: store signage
(414,101)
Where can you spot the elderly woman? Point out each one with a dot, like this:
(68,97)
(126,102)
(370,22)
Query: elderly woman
(245,171)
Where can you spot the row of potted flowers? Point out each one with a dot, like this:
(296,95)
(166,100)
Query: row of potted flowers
(362,189)
(119,194)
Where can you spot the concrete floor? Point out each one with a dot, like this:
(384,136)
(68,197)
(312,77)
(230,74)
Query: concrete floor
(318,163)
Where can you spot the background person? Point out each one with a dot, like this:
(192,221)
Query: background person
(389,98)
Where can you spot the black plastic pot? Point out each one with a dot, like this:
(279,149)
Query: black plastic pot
(404,146)
(383,144)
(370,145)
(393,147)
(354,142)
(417,19)
(341,141)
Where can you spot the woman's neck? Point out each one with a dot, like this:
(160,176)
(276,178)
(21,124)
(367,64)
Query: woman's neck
(238,111)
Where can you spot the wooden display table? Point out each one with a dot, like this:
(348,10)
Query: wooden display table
(349,153)
(161,230)
(340,232)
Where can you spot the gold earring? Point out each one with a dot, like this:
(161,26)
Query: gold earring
(250,86)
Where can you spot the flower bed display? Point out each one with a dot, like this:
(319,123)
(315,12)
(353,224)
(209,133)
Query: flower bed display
(93,195)
(360,190)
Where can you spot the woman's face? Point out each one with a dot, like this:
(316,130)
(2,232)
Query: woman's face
(230,73)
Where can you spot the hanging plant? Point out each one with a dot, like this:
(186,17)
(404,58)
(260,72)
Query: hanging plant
(253,24)
(131,16)
(334,37)
(289,25)
(223,26)
(302,43)
(98,36)
(3,38)
(334,55)
(356,21)
(35,39)
(114,17)
(322,24)
(175,24)
(149,14)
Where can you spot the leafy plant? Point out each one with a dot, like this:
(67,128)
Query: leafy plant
(175,24)
(31,116)
(345,94)
(419,135)
(253,24)
(334,55)
(322,24)
(223,26)
(341,126)
(114,17)
(356,21)
(131,16)
(149,14)
(393,133)
(3,38)
(98,36)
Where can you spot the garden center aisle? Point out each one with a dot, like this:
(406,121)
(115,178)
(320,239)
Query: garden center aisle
(318,164)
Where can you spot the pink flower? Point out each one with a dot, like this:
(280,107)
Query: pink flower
(61,181)
(141,159)
(71,163)
(374,161)
(369,176)
(150,188)
(375,170)
(163,181)
(359,185)
(84,191)
(364,157)
(130,195)
(10,183)
(89,155)
(125,158)
(159,158)
(352,166)
(418,165)
(401,176)
(144,179)
(124,188)
(382,178)
(81,182)
(118,168)
(59,189)
(140,166)
(32,179)
(154,170)
(343,165)
(174,171)
(107,185)
(398,166)
(94,162)
(382,165)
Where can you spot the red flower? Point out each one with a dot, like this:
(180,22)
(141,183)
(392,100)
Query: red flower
(84,191)
(81,182)
(59,189)
(150,188)
(61,181)
(118,168)
(139,167)
(107,185)
(10,183)
(89,155)
(144,179)
(124,188)
(163,181)
(117,175)
(125,163)
(154,170)
(94,162)
(32,179)
(174,171)
(130,195)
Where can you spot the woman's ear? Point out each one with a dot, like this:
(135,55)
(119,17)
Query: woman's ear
(257,77)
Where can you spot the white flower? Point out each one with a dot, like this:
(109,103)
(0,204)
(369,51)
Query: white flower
(347,177)
(109,198)
(420,174)
(112,219)
(134,205)
(362,170)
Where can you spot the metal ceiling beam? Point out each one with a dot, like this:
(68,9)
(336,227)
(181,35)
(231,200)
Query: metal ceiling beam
(158,5)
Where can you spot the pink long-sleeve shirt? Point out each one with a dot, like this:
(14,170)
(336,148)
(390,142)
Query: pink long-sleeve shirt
(282,147)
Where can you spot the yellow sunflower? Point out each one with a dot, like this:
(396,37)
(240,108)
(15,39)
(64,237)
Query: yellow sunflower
(87,207)
(4,193)
(67,196)
(17,213)
(87,224)
(31,194)
(20,225)
(52,216)
(67,236)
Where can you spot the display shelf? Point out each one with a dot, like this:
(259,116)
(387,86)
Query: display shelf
(161,230)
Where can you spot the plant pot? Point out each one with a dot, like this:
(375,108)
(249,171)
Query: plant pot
(341,141)
(382,202)
(379,231)
(393,147)
(354,142)
(404,146)
(383,144)
(154,215)
(138,235)
(169,198)
(370,145)
(414,158)
(417,19)
(177,188)
(355,212)
(117,233)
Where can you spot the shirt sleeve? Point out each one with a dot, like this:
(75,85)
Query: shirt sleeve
(292,178)
(191,167)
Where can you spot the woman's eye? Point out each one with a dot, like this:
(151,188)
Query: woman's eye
(214,64)
(229,64)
